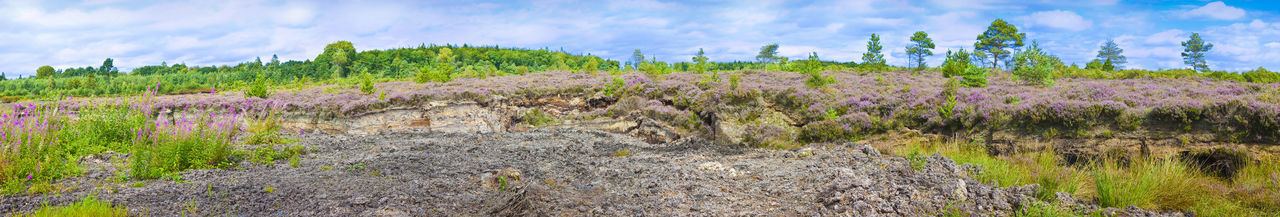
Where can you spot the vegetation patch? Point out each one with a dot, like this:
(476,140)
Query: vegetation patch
(89,206)
(1171,184)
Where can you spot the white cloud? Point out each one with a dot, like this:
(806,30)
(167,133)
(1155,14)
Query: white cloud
(1217,10)
(1173,36)
(1060,19)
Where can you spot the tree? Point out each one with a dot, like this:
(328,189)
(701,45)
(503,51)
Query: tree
(259,88)
(1095,64)
(591,67)
(700,61)
(1035,66)
(275,61)
(994,42)
(768,54)
(339,57)
(44,72)
(873,57)
(923,47)
(813,68)
(108,68)
(956,63)
(637,58)
(1108,65)
(1111,51)
(1194,53)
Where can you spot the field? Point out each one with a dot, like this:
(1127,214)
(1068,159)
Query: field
(724,142)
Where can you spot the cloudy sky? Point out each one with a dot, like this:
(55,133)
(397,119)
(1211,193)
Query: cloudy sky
(1246,34)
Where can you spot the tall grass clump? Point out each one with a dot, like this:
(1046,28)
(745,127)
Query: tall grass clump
(1150,184)
(89,206)
(170,147)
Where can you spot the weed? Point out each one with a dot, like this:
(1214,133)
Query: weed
(325,168)
(502,183)
(622,153)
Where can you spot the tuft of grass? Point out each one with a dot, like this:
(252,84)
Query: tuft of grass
(1150,184)
(266,131)
(536,117)
(267,155)
(89,206)
(269,189)
(622,153)
(1036,208)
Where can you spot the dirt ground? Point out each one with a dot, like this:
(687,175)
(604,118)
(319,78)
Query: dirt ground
(548,172)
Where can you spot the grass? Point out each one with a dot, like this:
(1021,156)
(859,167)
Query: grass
(89,206)
(1167,184)
(267,155)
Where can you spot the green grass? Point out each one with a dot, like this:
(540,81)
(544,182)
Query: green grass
(267,155)
(1166,184)
(1043,209)
(89,206)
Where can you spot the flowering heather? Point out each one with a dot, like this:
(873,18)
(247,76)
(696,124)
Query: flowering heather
(902,98)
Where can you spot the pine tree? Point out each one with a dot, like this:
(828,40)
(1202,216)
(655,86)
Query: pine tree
(922,47)
(1112,51)
(1194,51)
(873,57)
(994,42)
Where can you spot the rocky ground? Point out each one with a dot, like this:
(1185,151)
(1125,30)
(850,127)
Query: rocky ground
(551,172)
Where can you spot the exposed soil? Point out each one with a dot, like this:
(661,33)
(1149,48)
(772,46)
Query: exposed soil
(474,159)
(557,172)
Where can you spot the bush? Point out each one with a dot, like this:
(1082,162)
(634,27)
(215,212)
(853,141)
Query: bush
(1261,75)
(974,76)
(440,73)
(1034,66)
(259,87)
(956,63)
(366,83)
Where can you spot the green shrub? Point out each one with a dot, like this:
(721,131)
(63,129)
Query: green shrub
(1261,75)
(614,86)
(259,88)
(366,83)
(956,63)
(974,76)
(1034,66)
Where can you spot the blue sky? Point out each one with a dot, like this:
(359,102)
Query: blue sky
(64,34)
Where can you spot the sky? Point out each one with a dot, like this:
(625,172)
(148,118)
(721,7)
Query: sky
(1245,34)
